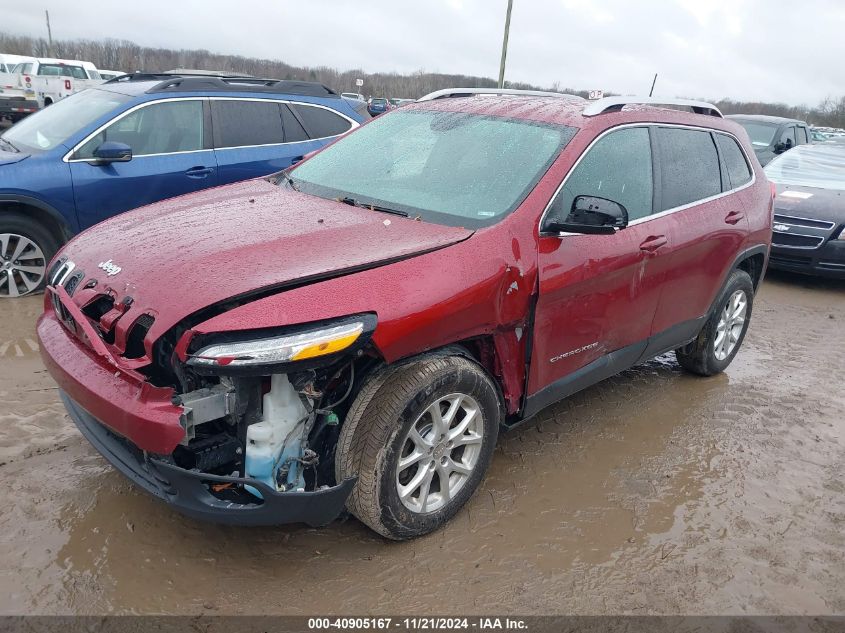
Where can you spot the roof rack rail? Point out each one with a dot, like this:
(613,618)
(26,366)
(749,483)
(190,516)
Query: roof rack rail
(172,82)
(137,76)
(449,93)
(206,73)
(614,104)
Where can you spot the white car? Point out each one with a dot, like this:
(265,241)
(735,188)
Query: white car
(53,79)
(15,102)
(110,74)
(8,62)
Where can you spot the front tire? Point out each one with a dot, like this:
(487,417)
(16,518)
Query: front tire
(721,337)
(26,247)
(419,437)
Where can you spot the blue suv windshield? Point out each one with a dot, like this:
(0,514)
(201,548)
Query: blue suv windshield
(51,126)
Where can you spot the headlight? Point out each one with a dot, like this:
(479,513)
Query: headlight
(254,352)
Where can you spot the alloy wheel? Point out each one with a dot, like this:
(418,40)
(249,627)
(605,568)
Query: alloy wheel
(439,453)
(22,265)
(731,322)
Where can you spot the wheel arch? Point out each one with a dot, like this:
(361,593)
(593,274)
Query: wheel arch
(480,350)
(40,211)
(751,260)
(754,264)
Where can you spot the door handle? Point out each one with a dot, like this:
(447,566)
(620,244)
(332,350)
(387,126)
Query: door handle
(734,216)
(199,172)
(653,242)
(296,159)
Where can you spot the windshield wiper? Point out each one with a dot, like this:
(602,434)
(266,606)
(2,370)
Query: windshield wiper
(373,207)
(14,149)
(283,175)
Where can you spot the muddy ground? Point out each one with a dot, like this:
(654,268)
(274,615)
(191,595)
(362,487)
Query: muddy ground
(655,492)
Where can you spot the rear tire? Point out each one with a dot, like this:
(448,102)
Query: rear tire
(26,247)
(415,472)
(721,337)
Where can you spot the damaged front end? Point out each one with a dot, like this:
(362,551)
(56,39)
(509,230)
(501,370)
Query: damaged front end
(236,428)
(260,413)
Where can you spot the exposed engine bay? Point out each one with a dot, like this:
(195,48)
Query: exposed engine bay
(279,429)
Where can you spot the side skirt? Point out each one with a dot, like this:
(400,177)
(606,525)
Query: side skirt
(609,365)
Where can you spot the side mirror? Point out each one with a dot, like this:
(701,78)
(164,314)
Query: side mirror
(781,147)
(113,152)
(589,214)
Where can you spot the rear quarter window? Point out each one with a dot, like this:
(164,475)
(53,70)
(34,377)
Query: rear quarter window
(737,167)
(689,166)
(321,122)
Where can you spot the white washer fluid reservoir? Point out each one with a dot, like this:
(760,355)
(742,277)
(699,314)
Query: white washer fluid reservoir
(283,411)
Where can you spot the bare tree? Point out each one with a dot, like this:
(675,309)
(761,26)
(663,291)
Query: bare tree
(128,56)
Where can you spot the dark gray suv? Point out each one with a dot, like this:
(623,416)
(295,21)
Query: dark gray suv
(772,135)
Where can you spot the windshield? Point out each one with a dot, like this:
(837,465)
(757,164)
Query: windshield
(379,101)
(451,168)
(51,126)
(762,134)
(821,166)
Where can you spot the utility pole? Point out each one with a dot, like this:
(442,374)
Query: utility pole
(505,45)
(654,81)
(49,33)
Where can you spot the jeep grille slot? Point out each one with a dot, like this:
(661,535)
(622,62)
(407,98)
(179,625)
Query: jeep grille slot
(135,338)
(73,282)
(54,270)
(98,307)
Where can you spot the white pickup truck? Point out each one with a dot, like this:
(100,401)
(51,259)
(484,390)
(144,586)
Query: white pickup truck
(14,101)
(37,83)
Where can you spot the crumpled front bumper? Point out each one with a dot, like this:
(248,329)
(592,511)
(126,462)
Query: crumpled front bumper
(187,490)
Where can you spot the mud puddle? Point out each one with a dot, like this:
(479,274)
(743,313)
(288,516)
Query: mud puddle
(654,492)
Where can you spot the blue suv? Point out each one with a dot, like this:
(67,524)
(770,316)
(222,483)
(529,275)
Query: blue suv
(142,138)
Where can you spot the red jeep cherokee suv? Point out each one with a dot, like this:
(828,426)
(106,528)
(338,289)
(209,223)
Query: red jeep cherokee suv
(353,333)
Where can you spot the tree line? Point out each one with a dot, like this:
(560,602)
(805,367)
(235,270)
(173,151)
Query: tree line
(128,56)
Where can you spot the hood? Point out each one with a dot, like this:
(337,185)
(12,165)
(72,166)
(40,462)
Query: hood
(8,158)
(179,256)
(812,203)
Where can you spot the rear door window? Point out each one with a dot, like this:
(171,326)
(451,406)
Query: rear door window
(689,166)
(617,167)
(321,122)
(737,167)
(246,123)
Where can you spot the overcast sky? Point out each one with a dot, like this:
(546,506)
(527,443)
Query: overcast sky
(768,50)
